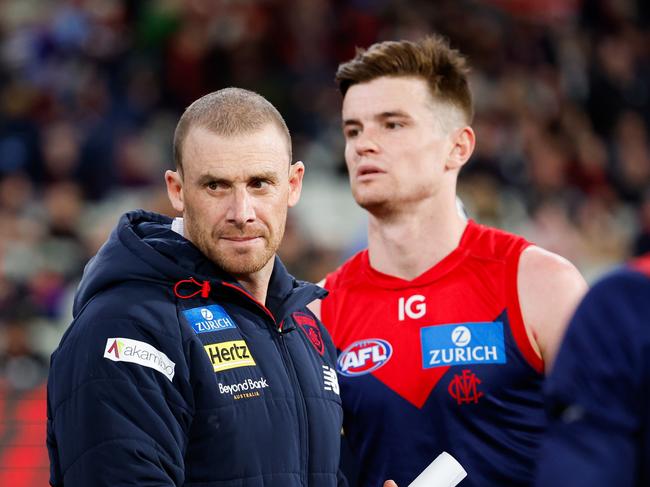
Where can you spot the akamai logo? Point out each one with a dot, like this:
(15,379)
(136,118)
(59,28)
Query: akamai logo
(413,307)
(207,314)
(363,357)
(141,353)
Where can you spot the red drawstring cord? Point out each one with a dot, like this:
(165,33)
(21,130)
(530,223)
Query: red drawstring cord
(205,292)
(205,288)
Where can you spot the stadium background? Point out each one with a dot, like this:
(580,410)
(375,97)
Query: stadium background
(90,91)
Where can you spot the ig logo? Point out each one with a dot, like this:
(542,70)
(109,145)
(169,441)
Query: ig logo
(413,307)
(207,314)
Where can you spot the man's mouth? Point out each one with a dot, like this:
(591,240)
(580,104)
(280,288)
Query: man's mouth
(240,238)
(368,169)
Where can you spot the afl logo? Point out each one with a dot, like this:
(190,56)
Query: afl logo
(207,314)
(363,357)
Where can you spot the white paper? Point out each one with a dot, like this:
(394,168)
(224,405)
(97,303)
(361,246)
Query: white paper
(444,471)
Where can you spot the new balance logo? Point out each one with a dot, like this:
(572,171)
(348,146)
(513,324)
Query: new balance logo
(330,380)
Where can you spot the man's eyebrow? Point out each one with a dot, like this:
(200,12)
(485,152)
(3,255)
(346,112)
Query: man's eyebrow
(268,175)
(350,121)
(392,114)
(211,178)
(379,116)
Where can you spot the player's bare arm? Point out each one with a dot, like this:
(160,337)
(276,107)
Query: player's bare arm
(549,288)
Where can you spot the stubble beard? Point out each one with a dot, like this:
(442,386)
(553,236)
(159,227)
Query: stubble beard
(236,262)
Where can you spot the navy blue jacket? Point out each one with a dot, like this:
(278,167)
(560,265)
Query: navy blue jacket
(598,393)
(171,374)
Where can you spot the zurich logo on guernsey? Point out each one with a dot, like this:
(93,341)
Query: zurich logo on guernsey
(363,357)
(209,318)
(462,344)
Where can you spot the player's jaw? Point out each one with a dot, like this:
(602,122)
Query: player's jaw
(372,191)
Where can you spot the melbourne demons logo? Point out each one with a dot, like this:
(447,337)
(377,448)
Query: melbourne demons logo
(310,329)
(363,357)
(463,388)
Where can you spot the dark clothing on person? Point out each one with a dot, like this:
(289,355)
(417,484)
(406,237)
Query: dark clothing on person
(172,374)
(598,393)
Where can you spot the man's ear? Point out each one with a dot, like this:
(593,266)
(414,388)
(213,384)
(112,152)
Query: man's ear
(296,173)
(463,142)
(174,182)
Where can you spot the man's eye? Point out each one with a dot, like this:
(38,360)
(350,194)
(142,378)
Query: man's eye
(393,125)
(259,183)
(213,185)
(351,133)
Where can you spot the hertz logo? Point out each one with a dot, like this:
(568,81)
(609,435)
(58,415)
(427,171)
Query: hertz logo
(229,355)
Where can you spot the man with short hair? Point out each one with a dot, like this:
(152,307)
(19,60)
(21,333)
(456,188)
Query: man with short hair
(192,359)
(445,327)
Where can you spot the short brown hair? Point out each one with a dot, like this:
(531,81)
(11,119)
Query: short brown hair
(230,111)
(444,69)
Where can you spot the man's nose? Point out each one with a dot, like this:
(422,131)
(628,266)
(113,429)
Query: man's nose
(365,143)
(241,210)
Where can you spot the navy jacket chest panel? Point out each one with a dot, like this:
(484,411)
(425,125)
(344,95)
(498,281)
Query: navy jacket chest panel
(258,404)
(265,358)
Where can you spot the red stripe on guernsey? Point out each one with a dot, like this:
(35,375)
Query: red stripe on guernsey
(250,296)
(403,373)
(642,264)
(25,462)
(517,325)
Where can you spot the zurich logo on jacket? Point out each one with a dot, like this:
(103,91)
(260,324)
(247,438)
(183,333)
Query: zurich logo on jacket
(171,374)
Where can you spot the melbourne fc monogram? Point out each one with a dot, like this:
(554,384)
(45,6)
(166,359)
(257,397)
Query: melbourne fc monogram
(463,388)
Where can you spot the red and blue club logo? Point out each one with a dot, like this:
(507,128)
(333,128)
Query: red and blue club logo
(363,357)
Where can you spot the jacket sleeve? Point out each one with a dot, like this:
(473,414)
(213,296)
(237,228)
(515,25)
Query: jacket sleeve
(116,411)
(593,394)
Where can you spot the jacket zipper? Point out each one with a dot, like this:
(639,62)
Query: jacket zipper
(301,405)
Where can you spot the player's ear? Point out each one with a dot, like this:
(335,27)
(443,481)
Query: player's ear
(174,182)
(463,142)
(296,173)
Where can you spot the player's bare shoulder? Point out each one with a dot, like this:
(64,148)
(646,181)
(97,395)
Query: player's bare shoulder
(550,288)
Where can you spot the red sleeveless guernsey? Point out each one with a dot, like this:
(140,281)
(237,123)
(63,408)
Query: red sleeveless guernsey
(439,363)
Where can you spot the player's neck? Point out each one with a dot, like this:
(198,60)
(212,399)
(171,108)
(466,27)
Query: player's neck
(406,245)
(257,283)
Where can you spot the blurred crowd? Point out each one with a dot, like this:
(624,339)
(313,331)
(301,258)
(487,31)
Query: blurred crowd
(90,91)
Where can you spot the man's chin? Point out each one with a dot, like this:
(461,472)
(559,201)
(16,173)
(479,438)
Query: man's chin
(372,204)
(239,263)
